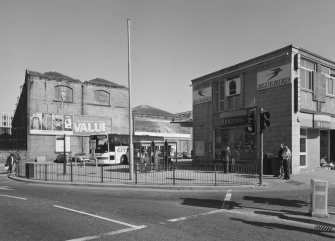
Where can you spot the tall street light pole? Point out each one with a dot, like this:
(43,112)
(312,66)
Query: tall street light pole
(131,151)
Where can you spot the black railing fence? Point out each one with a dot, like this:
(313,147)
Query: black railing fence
(173,174)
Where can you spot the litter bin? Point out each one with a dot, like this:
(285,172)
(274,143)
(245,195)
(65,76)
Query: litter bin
(29,170)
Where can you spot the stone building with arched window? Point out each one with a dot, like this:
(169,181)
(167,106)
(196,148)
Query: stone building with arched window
(53,106)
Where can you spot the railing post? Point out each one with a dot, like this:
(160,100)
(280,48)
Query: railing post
(71,172)
(102,173)
(174,175)
(136,172)
(215,176)
(46,172)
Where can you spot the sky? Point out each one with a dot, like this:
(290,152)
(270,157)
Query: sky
(171,41)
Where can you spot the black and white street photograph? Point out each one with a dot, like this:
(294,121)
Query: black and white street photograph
(170,120)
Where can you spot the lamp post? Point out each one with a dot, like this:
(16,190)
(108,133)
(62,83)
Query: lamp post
(64,147)
(131,151)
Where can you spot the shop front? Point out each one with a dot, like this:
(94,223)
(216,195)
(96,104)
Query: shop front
(232,132)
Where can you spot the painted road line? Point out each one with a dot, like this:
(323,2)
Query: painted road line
(99,217)
(6,188)
(99,236)
(22,198)
(226,201)
(194,216)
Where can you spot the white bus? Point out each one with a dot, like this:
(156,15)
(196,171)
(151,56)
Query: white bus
(111,148)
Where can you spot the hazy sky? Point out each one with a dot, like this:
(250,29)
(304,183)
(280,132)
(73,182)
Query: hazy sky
(172,41)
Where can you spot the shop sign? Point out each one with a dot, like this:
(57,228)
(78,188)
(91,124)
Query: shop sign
(274,77)
(86,125)
(322,121)
(202,95)
(57,124)
(322,124)
(233,121)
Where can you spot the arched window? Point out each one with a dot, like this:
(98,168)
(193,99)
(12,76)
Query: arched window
(101,97)
(63,93)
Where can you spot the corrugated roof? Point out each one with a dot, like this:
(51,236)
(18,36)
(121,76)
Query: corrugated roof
(158,126)
(146,110)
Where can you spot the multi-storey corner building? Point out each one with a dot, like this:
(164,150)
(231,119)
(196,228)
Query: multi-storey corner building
(53,106)
(6,123)
(297,88)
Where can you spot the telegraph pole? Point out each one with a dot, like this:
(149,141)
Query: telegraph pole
(131,151)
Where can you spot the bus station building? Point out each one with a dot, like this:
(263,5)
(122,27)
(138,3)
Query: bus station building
(297,88)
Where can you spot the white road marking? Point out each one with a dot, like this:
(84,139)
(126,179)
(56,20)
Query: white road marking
(6,188)
(108,234)
(194,216)
(100,217)
(226,201)
(22,198)
(228,196)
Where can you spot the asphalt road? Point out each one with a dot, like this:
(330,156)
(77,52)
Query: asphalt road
(49,212)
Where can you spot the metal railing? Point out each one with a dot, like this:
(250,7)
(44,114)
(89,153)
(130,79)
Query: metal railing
(173,174)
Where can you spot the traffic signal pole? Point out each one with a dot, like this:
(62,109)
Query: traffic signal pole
(264,123)
(261,159)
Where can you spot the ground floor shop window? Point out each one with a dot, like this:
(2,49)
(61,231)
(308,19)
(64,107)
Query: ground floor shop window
(243,146)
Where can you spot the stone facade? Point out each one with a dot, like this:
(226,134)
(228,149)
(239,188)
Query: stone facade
(85,105)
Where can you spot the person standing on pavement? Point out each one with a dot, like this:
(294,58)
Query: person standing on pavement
(226,157)
(280,173)
(286,162)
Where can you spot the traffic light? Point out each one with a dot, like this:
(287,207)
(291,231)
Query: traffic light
(264,119)
(251,121)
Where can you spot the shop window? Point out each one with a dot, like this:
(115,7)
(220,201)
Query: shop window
(330,79)
(63,93)
(243,146)
(101,97)
(306,73)
(303,149)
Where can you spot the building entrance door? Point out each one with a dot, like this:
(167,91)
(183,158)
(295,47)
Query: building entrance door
(324,144)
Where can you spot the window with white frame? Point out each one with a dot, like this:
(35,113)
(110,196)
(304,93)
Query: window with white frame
(307,68)
(330,79)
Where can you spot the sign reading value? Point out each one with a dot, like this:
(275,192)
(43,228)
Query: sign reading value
(56,124)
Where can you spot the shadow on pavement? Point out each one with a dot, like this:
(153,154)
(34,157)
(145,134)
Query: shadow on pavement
(284,227)
(277,201)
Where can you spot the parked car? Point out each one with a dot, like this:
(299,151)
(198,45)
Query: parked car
(60,158)
(80,157)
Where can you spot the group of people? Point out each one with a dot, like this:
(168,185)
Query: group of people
(284,157)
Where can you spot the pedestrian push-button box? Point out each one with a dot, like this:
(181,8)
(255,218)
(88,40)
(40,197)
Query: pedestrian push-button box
(319,198)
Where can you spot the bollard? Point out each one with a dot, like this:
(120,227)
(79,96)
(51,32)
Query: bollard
(319,198)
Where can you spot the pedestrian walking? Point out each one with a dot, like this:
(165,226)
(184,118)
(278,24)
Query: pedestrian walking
(10,162)
(280,172)
(286,162)
(225,158)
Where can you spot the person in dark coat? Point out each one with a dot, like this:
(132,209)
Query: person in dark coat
(226,158)
(10,162)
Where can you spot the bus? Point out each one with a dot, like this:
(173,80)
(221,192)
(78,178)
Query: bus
(112,148)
